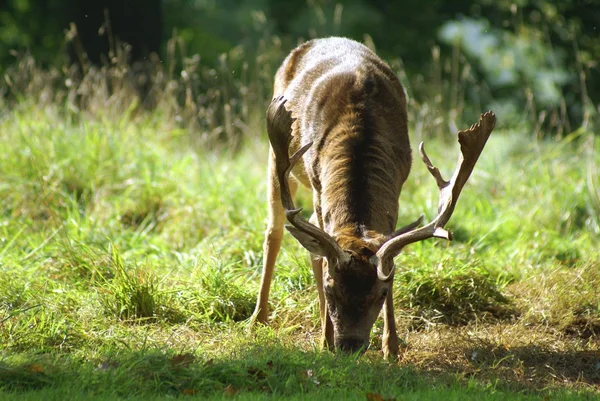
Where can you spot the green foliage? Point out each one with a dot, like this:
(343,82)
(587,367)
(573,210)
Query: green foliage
(510,61)
(130,295)
(532,61)
(25,26)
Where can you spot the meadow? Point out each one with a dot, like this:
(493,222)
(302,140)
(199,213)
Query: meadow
(131,250)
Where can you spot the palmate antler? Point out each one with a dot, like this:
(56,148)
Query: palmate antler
(280,136)
(471,143)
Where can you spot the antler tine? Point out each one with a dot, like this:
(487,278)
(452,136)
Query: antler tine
(279,127)
(435,172)
(472,142)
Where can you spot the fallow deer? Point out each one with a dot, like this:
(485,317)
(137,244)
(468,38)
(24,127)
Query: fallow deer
(340,111)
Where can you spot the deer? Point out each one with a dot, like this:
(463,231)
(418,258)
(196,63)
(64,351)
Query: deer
(338,125)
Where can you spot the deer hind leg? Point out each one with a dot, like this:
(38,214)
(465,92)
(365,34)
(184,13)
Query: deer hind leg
(390,335)
(273,238)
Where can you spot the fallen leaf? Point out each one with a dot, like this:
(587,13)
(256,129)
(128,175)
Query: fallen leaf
(230,391)
(378,397)
(189,391)
(35,368)
(182,360)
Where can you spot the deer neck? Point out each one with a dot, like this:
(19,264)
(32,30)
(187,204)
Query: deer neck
(354,200)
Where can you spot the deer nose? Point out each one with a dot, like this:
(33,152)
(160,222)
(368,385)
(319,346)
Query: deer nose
(352,345)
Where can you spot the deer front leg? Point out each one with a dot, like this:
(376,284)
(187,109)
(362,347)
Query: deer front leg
(390,335)
(326,325)
(272,243)
(327,337)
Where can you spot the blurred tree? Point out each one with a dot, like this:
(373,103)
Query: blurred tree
(561,35)
(39,26)
(210,27)
(540,55)
(100,22)
(34,25)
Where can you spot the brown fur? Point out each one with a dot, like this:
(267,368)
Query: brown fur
(356,117)
(352,107)
(350,146)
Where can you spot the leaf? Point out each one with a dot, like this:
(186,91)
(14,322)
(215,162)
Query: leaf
(189,391)
(35,368)
(378,397)
(182,360)
(230,391)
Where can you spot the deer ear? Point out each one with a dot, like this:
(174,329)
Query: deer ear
(309,242)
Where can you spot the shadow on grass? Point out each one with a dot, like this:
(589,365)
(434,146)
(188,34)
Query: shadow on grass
(276,370)
(533,366)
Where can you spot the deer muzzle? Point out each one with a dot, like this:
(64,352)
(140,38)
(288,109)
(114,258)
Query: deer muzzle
(351,344)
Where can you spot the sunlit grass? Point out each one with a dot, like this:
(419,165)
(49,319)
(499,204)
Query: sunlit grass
(130,262)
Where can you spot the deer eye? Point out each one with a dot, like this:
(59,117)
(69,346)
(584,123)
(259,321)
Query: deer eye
(384,293)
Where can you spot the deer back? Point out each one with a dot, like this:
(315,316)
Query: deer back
(352,107)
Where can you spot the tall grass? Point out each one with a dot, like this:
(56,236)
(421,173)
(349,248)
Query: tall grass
(221,104)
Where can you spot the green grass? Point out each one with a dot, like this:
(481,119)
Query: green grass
(130,259)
